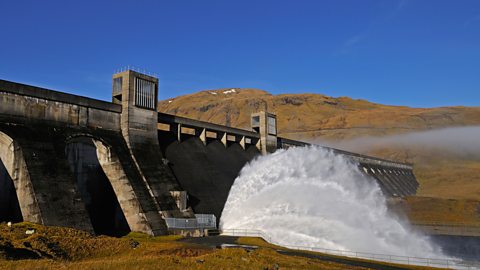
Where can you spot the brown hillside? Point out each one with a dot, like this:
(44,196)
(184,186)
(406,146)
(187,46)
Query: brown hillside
(314,117)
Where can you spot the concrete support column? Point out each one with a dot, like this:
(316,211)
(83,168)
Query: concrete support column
(12,158)
(176,129)
(223,138)
(240,140)
(139,119)
(140,218)
(265,124)
(201,133)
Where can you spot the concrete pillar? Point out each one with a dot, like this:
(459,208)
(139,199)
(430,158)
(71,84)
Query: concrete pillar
(138,216)
(241,141)
(223,138)
(265,124)
(12,157)
(176,129)
(202,135)
(139,120)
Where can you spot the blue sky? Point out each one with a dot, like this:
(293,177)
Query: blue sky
(421,53)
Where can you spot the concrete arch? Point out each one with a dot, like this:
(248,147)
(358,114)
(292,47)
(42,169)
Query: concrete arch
(94,188)
(11,155)
(71,137)
(117,177)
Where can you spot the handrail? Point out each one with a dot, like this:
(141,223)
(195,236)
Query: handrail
(409,260)
(200,221)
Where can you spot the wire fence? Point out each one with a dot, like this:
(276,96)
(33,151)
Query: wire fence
(408,260)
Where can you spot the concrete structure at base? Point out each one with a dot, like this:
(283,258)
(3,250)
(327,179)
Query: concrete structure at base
(111,168)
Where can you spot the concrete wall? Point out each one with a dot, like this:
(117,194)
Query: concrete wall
(28,103)
(206,172)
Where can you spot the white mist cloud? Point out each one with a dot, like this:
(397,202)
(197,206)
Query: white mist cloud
(461,140)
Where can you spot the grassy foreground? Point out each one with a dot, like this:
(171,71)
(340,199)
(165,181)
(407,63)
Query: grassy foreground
(64,248)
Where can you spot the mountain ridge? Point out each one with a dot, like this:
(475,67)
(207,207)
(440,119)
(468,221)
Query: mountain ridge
(315,111)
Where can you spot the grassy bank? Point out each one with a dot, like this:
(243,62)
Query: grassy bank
(64,248)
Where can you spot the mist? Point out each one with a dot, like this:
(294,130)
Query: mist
(459,140)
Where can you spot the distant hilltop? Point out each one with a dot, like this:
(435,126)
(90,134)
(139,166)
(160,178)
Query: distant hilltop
(313,116)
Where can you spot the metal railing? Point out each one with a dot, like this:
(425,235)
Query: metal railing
(408,260)
(201,221)
(206,221)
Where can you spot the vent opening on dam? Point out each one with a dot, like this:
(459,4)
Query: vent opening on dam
(95,189)
(9,206)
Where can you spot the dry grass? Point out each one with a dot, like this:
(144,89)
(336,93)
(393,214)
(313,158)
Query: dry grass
(425,210)
(138,251)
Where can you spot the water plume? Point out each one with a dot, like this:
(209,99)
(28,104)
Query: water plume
(312,197)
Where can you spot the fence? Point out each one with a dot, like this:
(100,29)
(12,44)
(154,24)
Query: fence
(201,221)
(432,262)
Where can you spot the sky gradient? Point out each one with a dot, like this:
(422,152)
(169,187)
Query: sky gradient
(422,53)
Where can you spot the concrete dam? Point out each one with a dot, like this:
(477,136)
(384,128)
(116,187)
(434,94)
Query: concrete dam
(120,166)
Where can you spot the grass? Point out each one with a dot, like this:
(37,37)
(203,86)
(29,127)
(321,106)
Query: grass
(425,210)
(63,248)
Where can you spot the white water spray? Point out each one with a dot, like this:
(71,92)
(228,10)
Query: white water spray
(311,197)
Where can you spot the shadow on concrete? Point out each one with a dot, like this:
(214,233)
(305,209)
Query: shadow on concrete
(106,216)
(9,205)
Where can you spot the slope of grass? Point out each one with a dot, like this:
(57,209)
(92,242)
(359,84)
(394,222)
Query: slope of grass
(428,210)
(63,248)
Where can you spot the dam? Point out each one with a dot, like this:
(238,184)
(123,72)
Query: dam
(115,167)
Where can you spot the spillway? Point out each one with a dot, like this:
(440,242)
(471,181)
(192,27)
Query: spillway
(312,197)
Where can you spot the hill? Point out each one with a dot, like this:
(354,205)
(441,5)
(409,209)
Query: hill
(335,121)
